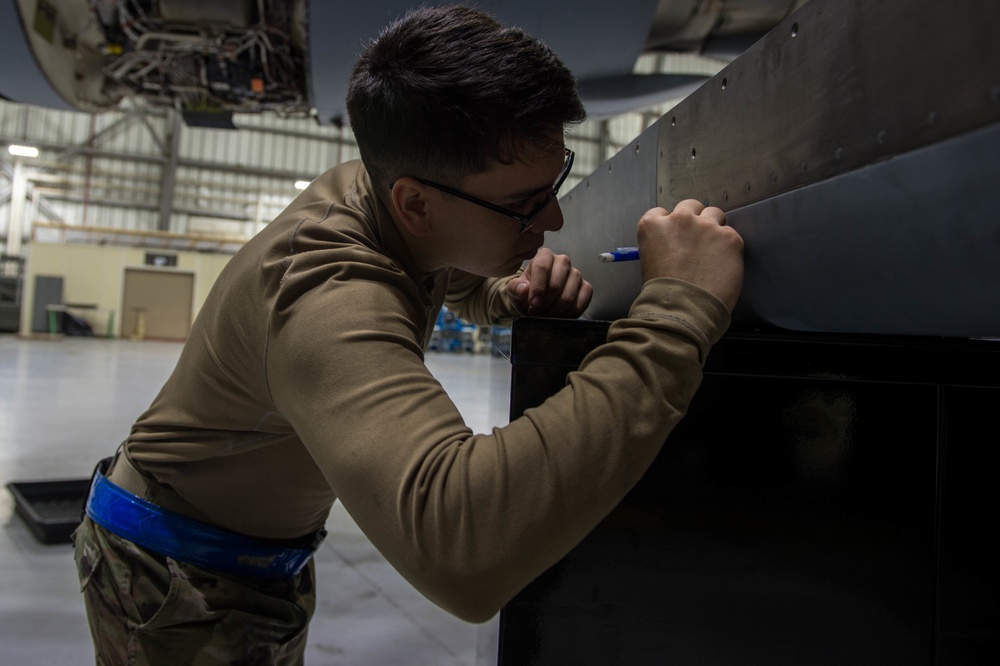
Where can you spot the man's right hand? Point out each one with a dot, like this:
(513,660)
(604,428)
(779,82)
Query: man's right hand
(693,244)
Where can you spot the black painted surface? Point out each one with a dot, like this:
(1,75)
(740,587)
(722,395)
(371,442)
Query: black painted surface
(969,580)
(792,517)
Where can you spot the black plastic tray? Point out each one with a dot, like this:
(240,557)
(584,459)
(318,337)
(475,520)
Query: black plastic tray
(52,509)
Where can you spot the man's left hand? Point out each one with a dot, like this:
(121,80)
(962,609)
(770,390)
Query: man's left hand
(550,287)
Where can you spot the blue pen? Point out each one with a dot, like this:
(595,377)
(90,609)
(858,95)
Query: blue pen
(620,254)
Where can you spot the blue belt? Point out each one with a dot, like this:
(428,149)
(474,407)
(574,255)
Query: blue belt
(187,540)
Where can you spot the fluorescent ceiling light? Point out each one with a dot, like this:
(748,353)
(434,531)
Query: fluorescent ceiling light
(23,151)
(301,184)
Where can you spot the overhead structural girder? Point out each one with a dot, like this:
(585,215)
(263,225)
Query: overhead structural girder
(854,148)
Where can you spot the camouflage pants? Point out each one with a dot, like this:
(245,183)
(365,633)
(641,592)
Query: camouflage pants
(144,608)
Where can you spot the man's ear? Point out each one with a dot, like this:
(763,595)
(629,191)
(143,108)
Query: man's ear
(412,205)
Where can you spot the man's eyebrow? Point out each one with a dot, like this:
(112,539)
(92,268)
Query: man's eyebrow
(528,193)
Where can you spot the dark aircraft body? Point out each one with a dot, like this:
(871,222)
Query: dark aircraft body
(294,56)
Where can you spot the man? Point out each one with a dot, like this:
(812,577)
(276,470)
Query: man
(303,382)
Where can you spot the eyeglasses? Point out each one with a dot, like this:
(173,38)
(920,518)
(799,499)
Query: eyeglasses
(525,220)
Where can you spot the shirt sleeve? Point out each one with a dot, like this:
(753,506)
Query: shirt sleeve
(469,519)
(482,301)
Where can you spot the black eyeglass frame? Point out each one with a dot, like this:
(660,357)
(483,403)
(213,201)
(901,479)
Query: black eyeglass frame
(525,220)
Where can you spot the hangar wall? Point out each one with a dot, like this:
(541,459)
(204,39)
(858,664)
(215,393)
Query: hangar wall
(94,275)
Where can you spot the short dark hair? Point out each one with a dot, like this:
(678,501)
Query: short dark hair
(443,93)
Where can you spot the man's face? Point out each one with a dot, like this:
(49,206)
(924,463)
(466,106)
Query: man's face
(490,243)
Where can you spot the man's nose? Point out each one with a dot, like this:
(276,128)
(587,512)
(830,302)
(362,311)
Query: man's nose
(549,218)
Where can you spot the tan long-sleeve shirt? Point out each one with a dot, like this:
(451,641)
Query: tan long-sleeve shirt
(303,381)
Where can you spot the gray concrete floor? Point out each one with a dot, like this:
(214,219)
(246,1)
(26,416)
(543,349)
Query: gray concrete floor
(65,403)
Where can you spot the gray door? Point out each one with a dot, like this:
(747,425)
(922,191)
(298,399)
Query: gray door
(48,291)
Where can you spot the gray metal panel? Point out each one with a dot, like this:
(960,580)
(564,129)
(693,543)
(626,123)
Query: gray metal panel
(889,227)
(835,86)
(601,213)
(909,245)
(906,246)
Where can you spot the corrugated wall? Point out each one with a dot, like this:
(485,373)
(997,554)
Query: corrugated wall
(109,170)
